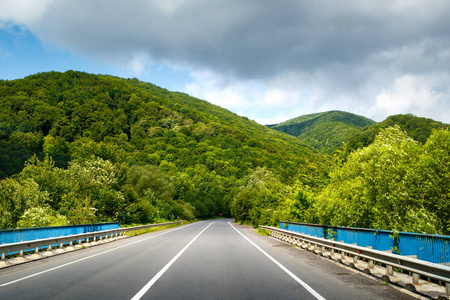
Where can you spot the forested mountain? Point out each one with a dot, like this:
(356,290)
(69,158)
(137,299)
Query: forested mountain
(325,131)
(134,130)
(81,148)
(61,113)
(418,128)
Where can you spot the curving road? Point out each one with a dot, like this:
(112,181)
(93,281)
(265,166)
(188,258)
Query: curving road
(204,260)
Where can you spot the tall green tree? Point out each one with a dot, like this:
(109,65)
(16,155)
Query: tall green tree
(372,190)
(259,196)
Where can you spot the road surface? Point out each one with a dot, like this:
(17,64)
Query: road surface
(204,260)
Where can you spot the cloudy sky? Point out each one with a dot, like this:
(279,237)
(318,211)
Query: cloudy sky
(267,60)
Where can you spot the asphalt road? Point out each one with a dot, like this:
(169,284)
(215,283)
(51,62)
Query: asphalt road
(204,260)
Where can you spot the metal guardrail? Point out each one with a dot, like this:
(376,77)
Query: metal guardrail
(415,266)
(429,247)
(36,244)
(8,236)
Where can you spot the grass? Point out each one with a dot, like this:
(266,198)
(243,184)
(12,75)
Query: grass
(153,229)
(262,232)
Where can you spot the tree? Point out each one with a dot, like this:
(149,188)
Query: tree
(296,207)
(16,197)
(371,189)
(430,181)
(258,194)
(96,180)
(41,217)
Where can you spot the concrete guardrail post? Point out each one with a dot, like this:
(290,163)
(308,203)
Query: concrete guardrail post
(389,271)
(389,260)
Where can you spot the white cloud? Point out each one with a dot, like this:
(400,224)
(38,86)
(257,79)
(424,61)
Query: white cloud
(207,85)
(169,7)
(25,12)
(303,57)
(137,64)
(419,95)
(273,103)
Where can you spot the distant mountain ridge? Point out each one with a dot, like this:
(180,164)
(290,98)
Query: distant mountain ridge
(418,128)
(57,113)
(325,131)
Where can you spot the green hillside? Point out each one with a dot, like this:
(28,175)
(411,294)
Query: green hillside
(196,150)
(324,131)
(418,128)
(81,148)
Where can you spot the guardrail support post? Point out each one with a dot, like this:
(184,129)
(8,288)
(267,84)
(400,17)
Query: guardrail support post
(60,245)
(3,256)
(36,250)
(447,288)
(21,253)
(371,265)
(389,270)
(415,277)
(49,247)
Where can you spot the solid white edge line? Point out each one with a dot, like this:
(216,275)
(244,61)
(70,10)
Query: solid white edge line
(166,267)
(94,255)
(304,284)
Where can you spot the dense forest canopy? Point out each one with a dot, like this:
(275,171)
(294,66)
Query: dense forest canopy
(61,125)
(325,131)
(81,148)
(419,129)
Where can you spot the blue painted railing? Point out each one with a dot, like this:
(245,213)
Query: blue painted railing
(428,247)
(30,234)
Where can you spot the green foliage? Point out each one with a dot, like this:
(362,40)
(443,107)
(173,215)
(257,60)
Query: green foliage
(41,217)
(259,195)
(430,181)
(83,148)
(377,188)
(16,197)
(262,232)
(61,123)
(324,131)
(419,129)
(296,207)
